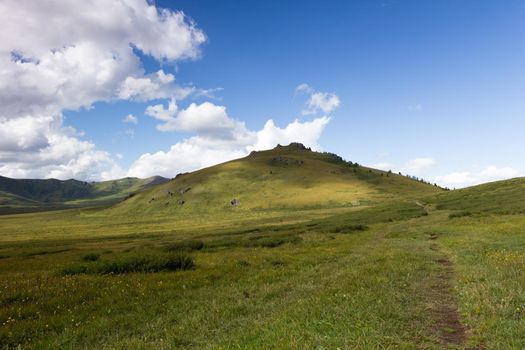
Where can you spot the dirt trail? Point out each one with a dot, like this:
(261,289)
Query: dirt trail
(450,330)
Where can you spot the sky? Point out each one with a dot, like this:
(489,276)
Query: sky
(103,89)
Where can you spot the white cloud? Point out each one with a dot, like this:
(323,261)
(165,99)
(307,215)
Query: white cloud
(160,113)
(304,88)
(413,167)
(414,108)
(153,86)
(467,178)
(37,147)
(58,55)
(417,165)
(205,150)
(322,101)
(383,166)
(318,101)
(205,119)
(130,118)
(307,133)
(218,137)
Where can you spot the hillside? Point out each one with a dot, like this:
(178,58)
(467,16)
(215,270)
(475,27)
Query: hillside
(501,197)
(286,177)
(20,195)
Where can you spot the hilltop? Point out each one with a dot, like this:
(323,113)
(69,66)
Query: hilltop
(286,177)
(21,195)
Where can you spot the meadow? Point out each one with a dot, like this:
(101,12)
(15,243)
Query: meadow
(362,278)
(442,270)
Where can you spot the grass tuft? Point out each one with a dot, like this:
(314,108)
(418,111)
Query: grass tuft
(185,246)
(272,242)
(459,214)
(348,228)
(133,263)
(90,257)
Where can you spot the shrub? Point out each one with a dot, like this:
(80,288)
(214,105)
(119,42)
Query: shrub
(459,214)
(74,270)
(133,263)
(91,257)
(185,246)
(272,242)
(348,228)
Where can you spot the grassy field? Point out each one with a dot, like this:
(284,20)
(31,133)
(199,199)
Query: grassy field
(407,268)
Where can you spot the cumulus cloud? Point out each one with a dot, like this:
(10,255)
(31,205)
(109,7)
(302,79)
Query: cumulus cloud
(208,149)
(218,137)
(151,87)
(64,55)
(318,101)
(307,133)
(384,166)
(204,119)
(36,147)
(417,165)
(414,167)
(130,118)
(468,178)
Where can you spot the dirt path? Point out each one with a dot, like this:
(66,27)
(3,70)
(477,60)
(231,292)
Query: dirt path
(448,327)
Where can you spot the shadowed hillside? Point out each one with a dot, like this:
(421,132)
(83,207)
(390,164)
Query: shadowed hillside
(19,195)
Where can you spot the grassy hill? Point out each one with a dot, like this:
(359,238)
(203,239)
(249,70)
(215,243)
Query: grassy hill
(21,195)
(501,197)
(286,177)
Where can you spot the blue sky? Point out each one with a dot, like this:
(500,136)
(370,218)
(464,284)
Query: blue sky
(433,88)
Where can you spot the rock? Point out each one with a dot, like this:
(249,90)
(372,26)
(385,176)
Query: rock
(298,145)
(184,190)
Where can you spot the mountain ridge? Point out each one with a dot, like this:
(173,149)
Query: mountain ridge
(20,195)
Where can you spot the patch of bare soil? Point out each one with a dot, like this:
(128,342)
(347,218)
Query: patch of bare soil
(445,312)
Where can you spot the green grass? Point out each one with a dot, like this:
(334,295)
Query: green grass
(287,285)
(500,197)
(362,265)
(130,263)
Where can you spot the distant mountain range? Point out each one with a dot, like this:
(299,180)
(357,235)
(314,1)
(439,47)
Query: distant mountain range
(26,195)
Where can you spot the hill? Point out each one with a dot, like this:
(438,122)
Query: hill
(286,177)
(21,195)
(499,197)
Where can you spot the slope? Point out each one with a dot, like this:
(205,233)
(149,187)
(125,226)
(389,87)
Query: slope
(286,177)
(22,195)
(499,197)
